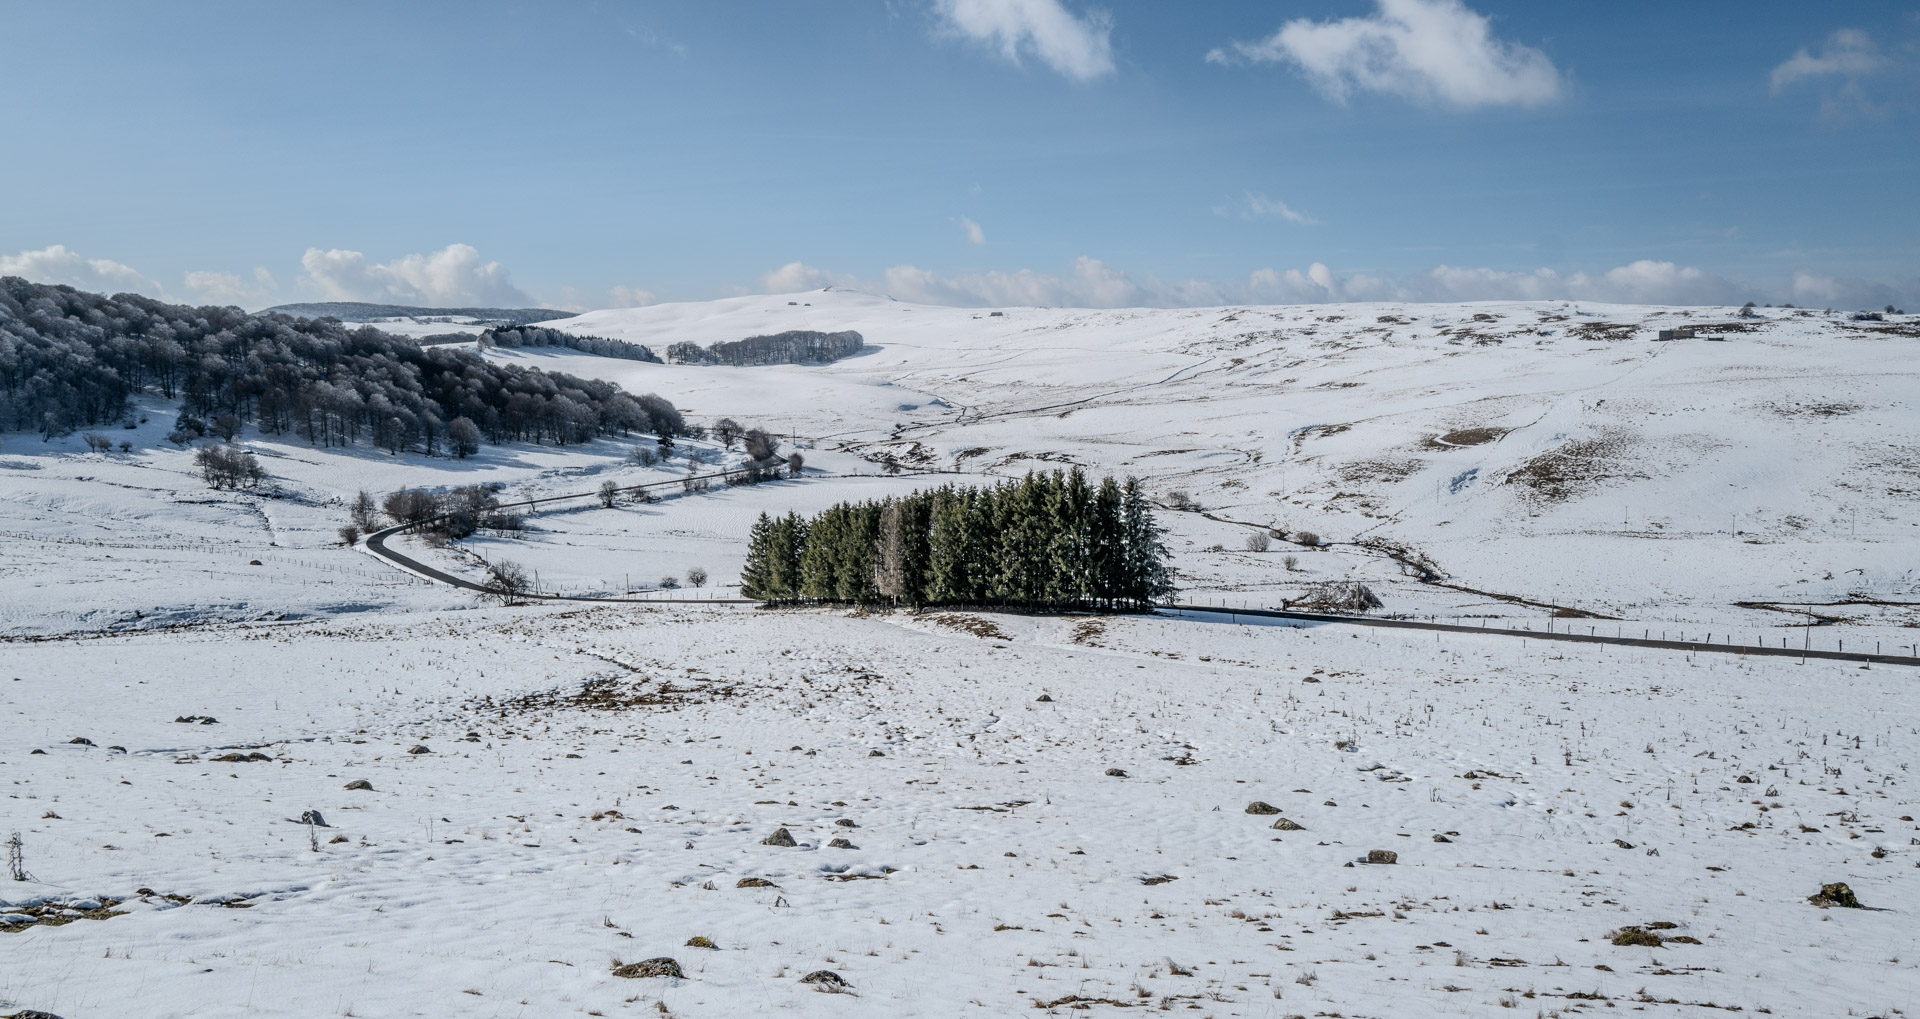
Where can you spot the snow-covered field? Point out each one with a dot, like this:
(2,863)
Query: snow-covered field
(1532,457)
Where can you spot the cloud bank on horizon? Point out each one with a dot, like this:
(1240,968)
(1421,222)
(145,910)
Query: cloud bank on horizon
(456,276)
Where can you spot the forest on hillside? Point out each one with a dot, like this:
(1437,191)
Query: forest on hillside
(795,346)
(71,359)
(540,336)
(1048,541)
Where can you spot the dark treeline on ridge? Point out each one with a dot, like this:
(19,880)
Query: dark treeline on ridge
(795,346)
(540,336)
(1049,541)
(70,359)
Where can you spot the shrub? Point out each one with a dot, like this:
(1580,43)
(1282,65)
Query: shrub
(1291,562)
(97,442)
(1340,596)
(228,467)
(608,493)
(1257,541)
(349,534)
(1307,538)
(645,456)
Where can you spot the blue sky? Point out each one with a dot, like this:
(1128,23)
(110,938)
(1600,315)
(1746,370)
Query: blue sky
(587,154)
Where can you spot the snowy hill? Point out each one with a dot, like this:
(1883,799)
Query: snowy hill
(1556,452)
(970,813)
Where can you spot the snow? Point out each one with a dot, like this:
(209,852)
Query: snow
(477,879)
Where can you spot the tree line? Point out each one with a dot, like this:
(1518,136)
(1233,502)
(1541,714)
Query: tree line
(1048,541)
(70,359)
(795,346)
(540,336)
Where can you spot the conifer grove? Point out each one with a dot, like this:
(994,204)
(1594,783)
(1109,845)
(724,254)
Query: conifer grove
(1047,541)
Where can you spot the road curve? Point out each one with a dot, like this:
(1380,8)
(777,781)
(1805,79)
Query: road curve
(377,544)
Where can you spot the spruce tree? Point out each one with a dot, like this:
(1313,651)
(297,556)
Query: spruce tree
(1146,558)
(756,577)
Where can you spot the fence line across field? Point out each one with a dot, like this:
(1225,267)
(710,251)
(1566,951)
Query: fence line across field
(376,544)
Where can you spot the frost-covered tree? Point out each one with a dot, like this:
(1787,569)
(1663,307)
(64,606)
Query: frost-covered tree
(70,359)
(463,437)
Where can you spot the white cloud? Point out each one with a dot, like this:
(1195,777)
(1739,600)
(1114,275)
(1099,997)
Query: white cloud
(975,235)
(56,264)
(797,276)
(212,287)
(633,297)
(1848,52)
(1077,46)
(1255,205)
(1093,284)
(1817,290)
(454,276)
(1429,51)
(1642,282)
(1317,285)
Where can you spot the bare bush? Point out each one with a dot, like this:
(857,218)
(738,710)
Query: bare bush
(670,583)
(1345,597)
(1180,500)
(795,462)
(228,466)
(349,535)
(645,456)
(410,506)
(1307,538)
(1258,541)
(608,493)
(1291,562)
(97,442)
(760,445)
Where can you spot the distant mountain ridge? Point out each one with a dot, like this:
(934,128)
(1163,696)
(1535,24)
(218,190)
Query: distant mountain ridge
(360,311)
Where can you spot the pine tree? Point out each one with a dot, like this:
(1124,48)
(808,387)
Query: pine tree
(1146,575)
(757,576)
(1106,546)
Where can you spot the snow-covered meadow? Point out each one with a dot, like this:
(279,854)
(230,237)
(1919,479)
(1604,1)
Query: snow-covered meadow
(1527,459)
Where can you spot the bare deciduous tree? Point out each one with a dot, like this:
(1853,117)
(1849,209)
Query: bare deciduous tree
(228,466)
(760,445)
(697,576)
(795,462)
(726,430)
(609,493)
(366,515)
(507,582)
